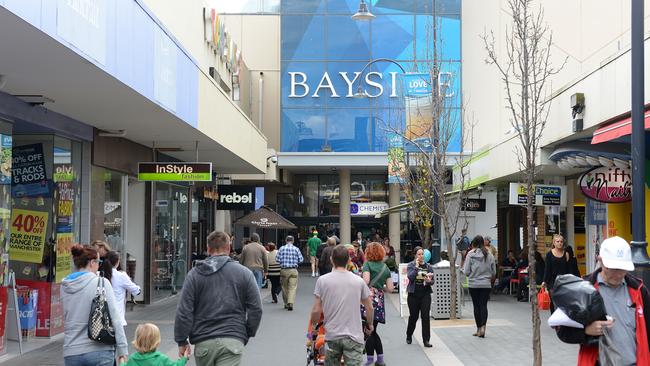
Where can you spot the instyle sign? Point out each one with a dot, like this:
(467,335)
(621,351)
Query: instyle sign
(607,184)
(544,195)
(367,208)
(183,172)
(236,198)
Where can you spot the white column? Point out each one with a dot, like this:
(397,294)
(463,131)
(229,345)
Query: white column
(570,224)
(344,205)
(393,219)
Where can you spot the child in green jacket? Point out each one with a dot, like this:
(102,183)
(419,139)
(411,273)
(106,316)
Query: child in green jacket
(147,340)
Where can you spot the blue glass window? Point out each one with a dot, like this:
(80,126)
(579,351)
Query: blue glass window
(442,6)
(303,130)
(350,129)
(448,35)
(392,7)
(303,37)
(392,37)
(347,39)
(303,6)
(308,73)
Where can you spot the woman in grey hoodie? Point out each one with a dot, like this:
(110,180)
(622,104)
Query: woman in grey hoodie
(78,291)
(480,269)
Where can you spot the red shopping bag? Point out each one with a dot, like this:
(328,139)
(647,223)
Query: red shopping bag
(543,299)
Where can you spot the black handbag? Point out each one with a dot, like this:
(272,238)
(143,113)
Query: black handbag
(100,326)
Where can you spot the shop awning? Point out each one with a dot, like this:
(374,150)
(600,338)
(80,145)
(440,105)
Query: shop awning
(265,218)
(617,129)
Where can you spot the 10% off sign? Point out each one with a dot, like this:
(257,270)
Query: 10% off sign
(27,240)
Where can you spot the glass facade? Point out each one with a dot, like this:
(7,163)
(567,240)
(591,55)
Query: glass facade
(323,52)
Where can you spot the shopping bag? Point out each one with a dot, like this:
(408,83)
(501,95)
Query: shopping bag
(543,299)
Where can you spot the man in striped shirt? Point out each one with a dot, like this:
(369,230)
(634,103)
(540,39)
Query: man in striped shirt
(289,258)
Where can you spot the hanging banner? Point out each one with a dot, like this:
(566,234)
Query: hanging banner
(27,239)
(63,256)
(419,111)
(5,159)
(396,161)
(29,178)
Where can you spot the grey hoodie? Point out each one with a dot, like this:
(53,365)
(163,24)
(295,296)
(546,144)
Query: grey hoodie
(479,270)
(220,299)
(78,291)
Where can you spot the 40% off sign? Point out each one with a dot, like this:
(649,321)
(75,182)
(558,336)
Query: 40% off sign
(27,240)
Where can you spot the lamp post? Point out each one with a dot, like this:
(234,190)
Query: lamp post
(360,93)
(639,244)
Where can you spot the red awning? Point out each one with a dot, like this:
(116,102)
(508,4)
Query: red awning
(617,129)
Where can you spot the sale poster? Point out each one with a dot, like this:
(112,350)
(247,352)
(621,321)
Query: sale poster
(27,238)
(29,178)
(63,256)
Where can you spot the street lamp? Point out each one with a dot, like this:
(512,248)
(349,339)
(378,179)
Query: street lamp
(639,244)
(360,93)
(363,13)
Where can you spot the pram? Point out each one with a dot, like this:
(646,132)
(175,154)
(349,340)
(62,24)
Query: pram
(316,346)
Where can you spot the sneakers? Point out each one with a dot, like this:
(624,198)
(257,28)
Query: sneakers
(313,274)
(409,340)
(290,307)
(427,344)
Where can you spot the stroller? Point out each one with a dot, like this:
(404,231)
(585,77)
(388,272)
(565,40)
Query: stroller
(316,346)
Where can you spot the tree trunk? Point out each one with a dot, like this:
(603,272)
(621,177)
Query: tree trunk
(453,278)
(532,283)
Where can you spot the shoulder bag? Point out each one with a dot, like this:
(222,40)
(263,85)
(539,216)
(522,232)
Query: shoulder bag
(100,326)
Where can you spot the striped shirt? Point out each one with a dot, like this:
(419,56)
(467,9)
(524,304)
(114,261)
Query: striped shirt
(289,256)
(274,266)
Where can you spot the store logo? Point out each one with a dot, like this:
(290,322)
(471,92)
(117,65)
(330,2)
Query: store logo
(608,185)
(235,198)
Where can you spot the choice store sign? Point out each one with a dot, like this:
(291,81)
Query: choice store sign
(609,185)
(544,195)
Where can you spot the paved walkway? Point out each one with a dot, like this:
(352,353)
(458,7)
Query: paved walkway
(281,338)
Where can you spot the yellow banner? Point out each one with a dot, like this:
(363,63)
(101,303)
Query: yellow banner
(27,240)
(63,256)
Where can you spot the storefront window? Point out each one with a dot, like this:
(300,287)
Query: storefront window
(306,193)
(107,208)
(171,210)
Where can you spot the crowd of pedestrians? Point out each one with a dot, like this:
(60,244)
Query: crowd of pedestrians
(220,306)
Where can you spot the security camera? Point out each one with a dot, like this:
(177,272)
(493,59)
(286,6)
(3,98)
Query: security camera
(274,159)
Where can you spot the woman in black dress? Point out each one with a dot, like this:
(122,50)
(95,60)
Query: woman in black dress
(557,264)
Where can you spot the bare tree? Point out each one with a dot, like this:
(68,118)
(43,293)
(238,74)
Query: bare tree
(526,70)
(434,123)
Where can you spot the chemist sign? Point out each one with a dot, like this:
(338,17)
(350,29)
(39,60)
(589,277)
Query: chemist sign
(183,172)
(367,208)
(543,195)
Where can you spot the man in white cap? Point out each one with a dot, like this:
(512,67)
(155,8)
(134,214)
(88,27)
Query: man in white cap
(625,298)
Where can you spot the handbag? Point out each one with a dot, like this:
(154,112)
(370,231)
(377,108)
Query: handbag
(100,326)
(543,299)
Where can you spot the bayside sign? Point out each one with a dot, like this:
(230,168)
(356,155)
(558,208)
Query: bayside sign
(544,195)
(608,185)
(174,171)
(236,198)
(374,80)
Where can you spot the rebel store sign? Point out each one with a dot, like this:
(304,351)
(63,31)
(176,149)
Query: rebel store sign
(607,184)
(235,198)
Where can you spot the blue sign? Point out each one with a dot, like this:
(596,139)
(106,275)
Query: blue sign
(29,178)
(5,159)
(417,85)
(596,212)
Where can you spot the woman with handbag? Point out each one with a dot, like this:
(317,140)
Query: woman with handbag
(92,332)
(377,276)
(480,269)
(420,276)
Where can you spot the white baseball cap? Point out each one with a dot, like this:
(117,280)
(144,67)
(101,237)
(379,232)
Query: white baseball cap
(616,254)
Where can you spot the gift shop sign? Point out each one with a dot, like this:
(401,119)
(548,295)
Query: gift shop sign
(543,195)
(608,185)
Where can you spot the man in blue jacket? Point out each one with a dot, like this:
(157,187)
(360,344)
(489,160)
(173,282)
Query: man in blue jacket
(219,309)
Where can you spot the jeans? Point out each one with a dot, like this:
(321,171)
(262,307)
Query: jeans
(98,358)
(480,298)
(219,351)
(259,277)
(419,305)
(351,351)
